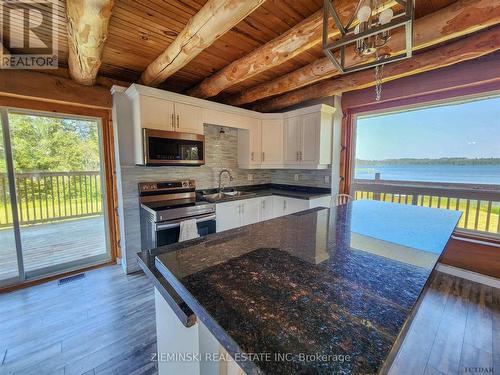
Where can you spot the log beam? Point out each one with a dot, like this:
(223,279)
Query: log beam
(205,27)
(87,32)
(298,39)
(465,49)
(26,84)
(456,20)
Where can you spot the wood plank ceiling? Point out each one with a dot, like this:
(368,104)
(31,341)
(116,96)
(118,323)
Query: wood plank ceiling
(139,31)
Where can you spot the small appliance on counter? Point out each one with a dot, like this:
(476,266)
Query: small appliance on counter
(165,205)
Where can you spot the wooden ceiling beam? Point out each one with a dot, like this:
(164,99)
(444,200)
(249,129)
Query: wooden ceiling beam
(472,47)
(210,23)
(87,32)
(298,39)
(456,20)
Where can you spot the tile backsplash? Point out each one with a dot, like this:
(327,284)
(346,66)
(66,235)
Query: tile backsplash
(221,153)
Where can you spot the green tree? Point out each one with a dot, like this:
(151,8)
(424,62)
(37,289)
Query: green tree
(53,144)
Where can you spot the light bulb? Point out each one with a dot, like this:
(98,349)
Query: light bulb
(385,16)
(364,13)
(356,29)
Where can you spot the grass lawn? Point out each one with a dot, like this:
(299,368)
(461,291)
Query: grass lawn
(43,211)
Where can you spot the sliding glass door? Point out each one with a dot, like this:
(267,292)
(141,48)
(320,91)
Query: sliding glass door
(56,168)
(10,269)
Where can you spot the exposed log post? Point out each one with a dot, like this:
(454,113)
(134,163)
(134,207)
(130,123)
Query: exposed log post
(298,39)
(210,23)
(466,49)
(87,32)
(458,19)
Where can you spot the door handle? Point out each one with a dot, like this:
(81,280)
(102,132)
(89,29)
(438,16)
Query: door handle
(177,223)
(178,126)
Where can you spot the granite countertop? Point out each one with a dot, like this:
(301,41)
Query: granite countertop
(290,191)
(341,283)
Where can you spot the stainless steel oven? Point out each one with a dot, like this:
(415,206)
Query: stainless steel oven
(164,205)
(161,147)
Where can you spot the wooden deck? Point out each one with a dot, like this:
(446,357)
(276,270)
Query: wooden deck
(51,244)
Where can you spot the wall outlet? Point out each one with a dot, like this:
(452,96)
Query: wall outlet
(327,179)
(249,177)
(296,177)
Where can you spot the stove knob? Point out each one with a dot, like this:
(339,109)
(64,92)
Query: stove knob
(184,184)
(145,187)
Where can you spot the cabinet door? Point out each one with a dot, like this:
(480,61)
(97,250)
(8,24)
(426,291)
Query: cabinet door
(272,142)
(278,206)
(266,208)
(188,119)
(255,140)
(291,137)
(250,211)
(309,136)
(228,215)
(293,205)
(156,113)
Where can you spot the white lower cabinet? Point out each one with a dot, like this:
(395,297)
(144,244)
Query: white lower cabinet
(286,206)
(228,215)
(250,211)
(266,208)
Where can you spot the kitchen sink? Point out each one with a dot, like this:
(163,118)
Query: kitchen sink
(227,195)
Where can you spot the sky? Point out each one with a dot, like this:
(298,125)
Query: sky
(469,130)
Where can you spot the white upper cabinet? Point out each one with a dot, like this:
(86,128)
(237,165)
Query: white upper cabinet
(154,113)
(188,118)
(291,139)
(299,139)
(272,143)
(308,139)
(249,146)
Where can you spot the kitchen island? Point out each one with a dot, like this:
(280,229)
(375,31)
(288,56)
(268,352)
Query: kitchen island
(319,291)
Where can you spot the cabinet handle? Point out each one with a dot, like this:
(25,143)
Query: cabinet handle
(178,126)
(263,204)
(300,155)
(252,155)
(263,156)
(284,205)
(173,121)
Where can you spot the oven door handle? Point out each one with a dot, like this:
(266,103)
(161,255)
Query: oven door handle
(178,223)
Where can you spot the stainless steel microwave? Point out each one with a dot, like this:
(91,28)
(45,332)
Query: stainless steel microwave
(161,147)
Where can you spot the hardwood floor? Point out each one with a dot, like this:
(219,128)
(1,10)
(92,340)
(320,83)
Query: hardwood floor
(105,324)
(456,330)
(102,324)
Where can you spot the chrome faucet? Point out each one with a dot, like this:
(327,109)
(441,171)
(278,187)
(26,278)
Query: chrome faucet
(220,178)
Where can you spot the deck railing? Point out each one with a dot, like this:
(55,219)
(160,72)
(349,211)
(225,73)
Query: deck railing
(480,204)
(51,196)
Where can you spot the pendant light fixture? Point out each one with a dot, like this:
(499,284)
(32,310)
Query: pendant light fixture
(366,33)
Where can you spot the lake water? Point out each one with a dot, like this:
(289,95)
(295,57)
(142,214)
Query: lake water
(479,174)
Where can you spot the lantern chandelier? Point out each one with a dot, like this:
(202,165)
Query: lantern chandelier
(367,32)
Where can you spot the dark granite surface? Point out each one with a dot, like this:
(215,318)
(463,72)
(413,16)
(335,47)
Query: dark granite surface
(290,191)
(337,282)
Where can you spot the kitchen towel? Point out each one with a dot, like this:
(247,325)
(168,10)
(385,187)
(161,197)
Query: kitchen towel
(188,230)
